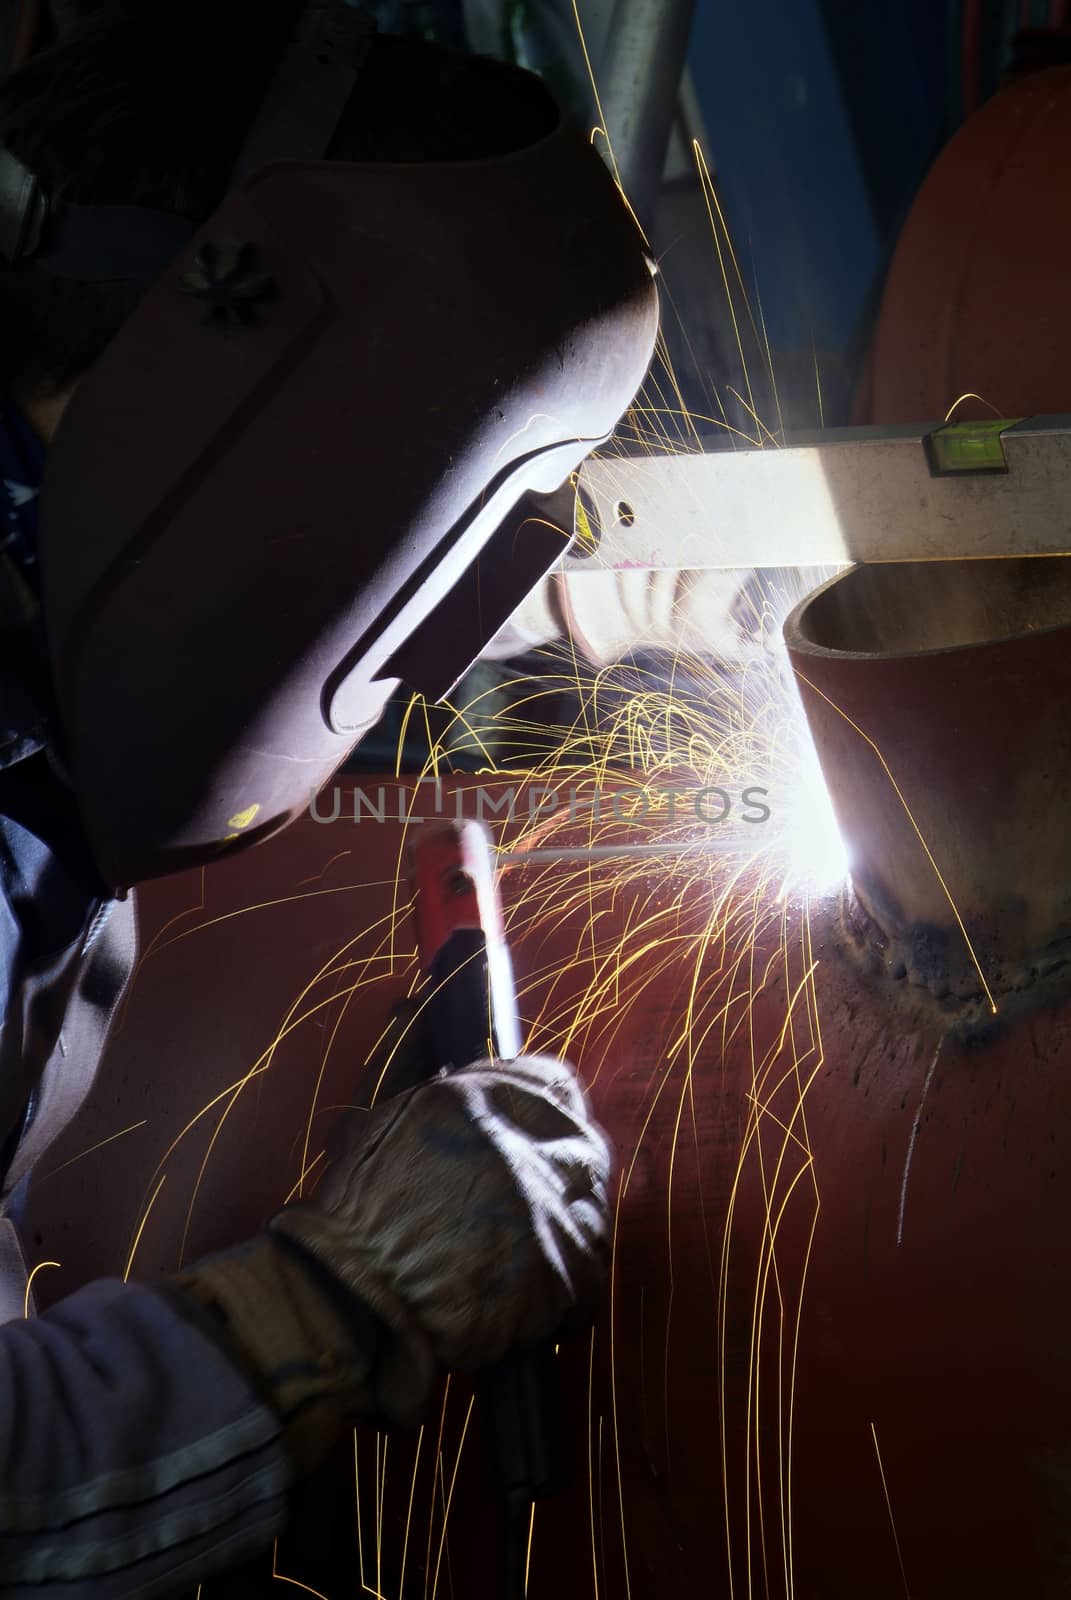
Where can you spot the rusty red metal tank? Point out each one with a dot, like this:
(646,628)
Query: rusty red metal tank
(833,1356)
(973,304)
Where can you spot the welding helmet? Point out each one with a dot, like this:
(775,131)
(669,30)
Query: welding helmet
(286,484)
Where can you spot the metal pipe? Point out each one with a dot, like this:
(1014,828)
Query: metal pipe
(939,699)
(640,90)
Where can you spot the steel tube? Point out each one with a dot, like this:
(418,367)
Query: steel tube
(939,699)
(640,89)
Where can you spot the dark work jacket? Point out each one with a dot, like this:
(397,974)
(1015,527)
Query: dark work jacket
(135,1459)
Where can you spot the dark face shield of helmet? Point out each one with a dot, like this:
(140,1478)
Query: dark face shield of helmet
(267,501)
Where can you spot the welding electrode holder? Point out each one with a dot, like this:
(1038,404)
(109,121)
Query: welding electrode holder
(519,1396)
(519,1399)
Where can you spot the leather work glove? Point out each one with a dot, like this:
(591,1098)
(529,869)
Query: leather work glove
(606,614)
(469,1213)
(731,616)
(458,1220)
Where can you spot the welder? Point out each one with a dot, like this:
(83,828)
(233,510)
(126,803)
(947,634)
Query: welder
(290,315)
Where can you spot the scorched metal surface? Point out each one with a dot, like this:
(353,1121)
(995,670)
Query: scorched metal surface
(833,1359)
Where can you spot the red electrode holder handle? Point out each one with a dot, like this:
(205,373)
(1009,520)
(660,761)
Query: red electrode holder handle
(463,950)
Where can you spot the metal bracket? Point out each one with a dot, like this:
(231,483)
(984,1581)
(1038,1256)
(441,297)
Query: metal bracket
(914,493)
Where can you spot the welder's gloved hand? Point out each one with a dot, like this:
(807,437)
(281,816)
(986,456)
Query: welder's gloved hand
(471,1215)
(306,1346)
(732,618)
(607,614)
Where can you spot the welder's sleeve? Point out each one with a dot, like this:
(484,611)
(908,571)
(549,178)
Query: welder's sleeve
(136,1458)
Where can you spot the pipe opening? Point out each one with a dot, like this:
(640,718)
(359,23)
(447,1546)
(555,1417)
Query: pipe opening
(914,607)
